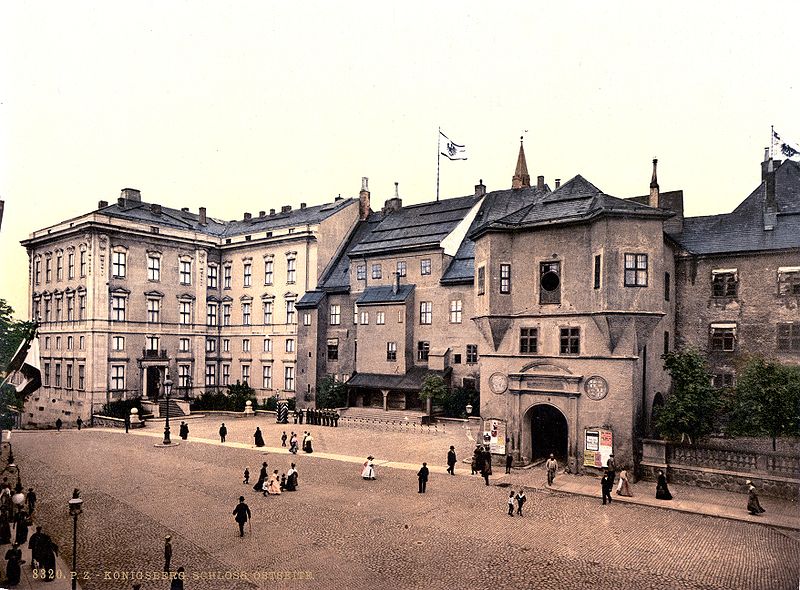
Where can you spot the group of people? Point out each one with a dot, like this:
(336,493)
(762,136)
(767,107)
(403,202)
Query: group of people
(316,417)
(272,484)
(520,499)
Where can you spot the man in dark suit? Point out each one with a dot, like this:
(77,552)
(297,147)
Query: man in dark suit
(451,460)
(223,432)
(241,515)
(605,485)
(422,474)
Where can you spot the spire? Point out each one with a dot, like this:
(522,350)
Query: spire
(654,199)
(521,177)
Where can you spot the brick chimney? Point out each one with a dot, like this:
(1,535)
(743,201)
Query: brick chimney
(302,205)
(653,201)
(396,283)
(272,211)
(363,199)
(155,208)
(558,183)
(247,216)
(101,204)
(203,219)
(286,208)
(262,213)
(131,194)
(540,183)
(770,204)
(480,188)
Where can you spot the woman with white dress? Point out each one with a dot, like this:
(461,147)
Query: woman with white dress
(368,472)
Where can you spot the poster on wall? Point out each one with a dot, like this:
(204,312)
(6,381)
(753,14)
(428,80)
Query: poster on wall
(599,444)
(494,435)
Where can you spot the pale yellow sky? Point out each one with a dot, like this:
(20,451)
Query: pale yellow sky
(247,105)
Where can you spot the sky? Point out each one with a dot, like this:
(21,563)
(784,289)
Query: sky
(251,105)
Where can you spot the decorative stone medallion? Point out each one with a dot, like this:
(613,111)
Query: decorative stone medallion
(498,383)
(596,387)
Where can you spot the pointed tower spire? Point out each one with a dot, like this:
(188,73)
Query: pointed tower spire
(654,192)
(521,178)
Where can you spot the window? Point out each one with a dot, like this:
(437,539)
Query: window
(226,375)
(46,375)
(246,313)
(333,349)
(570,340)
(152,343)
(245,345)
(788,280)
(71,265)
(183,345)
(306,319)
(457,358)
(481,280)
(153,268)
(723,380)
(361,272)
(550,283)
(635,270)
(81,377)
(58,375)
(211,314)
(226,276)
(291,271)
(245,374)
(355,313)
(47,310)
(212,276)
(153,310)
(529,340)
(118,308)
(58,342)
(186,272)
(211,375)
(288,378)
(335,314)
(59,307)
(724,283)
(425,312)
(47,342)
(118,343)
(380,318)
(376,271)
(70,308)
(83,263)
(597,266)
(290,345)
(290,314)
(666,342)
(226,345)
(81,307)
(455,311)
(425,266)
(268,270)
(400,314)
(48,269)
(364,318)
(423,348)
(401,268)
(184,376)
(248,274)
(117,377)
(666,286)
(37,271)
(789,336)
(472,354)
(70,342)
(268,313)
(211,345)
(69,375)
(267,345)
(226,314)
(60,267)
(505,279)
(185,312)
(118,263)
(266,373)
(723,337)
(81,343)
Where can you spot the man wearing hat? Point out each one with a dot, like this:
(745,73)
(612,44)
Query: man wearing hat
(241,515)
(167,552)
(753,505)
(612,469)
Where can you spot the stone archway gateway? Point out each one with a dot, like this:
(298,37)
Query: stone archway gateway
(549,432)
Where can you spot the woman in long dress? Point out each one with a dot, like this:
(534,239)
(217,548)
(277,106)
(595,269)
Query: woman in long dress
(662,491)
(262,477)
(623,487)
(258,437)
(308,448)
(368,472)
(274,486)
(291,479)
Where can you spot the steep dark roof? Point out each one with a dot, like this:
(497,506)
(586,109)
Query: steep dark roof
(385,294)
(337,276)
(412,380)
(310,300)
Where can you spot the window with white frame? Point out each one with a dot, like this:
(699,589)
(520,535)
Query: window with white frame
(335,314)
(288,378)
(82,263)
(789,280)
(226,375)
(268,271)
(291,318)
(361,272)
(153,310)
(82,343)
(184,375)
(60,267)
(226,345)
(245,345)
(185,312)
(48,269)
(380,317)
(118,264)
(425,312)
(248,274)
(70,341)
(226,314)
(290,345)
(117,377)
(266,379)
(118,308)
(291,271)
(377,273)
(402,268)
(455,311)
(391,351)
(425,266)
(153,268)
(59,307)
(723,337)
(58,375)
(333,349)
(505,279)
(212,276)
(81,307)
(58,342)
(69,376)
(152,343)
(117,343)
(267,345)
(306,319)
(183,345)
(226,276)
(472,354)
(71,265)
(211,314)
(70,308)
(46,374)
(267,313)
(211,345)
(37,271)
(246,374)
(246,313)
(364,318)
(481,280)
(423,349)
(185,272)
(211,375)
(81,377)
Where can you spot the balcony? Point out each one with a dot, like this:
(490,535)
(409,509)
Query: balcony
(154,354)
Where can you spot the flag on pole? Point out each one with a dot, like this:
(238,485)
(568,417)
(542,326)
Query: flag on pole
(450,149)
(787,149)
(26,361)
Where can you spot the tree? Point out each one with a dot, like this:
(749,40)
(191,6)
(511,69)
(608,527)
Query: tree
(456,402)
(434,391)
(331,393)
(767,400)
(690,409)
(12,332)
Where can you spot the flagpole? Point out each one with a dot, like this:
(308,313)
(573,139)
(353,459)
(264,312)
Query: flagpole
(438,157)
(771,139)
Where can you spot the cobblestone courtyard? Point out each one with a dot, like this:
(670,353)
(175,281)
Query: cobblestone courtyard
(344,532)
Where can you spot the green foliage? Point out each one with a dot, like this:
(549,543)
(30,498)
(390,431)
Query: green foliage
(767,400)
(12,332)
(456,401)
(433,388)
(331,393)
(121,408)
(232,401)
(689,411)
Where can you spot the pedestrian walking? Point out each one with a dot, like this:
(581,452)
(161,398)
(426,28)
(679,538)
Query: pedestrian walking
(606,483)
(451,460)
(753,505)
(308,447)
(59,423)
(79,422)
(293,443)
(486,471)
(30,500)
(624,488)
(241,515)
(258,437)
(21,533)
(273,486)
(246,475)
(13,570)
(262,477)
(184,430)
(422,475)
(300,415)
(223,432)
(611,468)
(167,552)
(368,472)
(35,544)
(177,578)
(521,499)
(551,465)
(5,526)
(283,439)
(509,461)
(662,491)
(291,479)
(511,504)
(127,423)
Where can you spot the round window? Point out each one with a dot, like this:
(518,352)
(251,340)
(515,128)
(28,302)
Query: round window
(550,281)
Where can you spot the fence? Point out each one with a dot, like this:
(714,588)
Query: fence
(395,425)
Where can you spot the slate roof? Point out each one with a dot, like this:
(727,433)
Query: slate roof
(385,294)
(310,300)
(412,380)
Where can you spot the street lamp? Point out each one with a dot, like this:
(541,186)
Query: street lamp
(75,504)
(469,409)
(167,391)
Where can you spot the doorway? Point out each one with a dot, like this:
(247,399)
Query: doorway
(549,433)
(153,382)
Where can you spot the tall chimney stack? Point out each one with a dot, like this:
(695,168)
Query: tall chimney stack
(540,183)
(363,199)
(770,205)
(654,192)
(396,283)
(480,188)
(558,183)
(203,219)
(131,194)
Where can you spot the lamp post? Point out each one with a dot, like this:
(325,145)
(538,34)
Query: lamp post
(167,391)
(75,504)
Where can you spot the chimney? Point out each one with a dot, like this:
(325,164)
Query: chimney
(770,205)
(101,204)
(155,209)
(286,208)
(131,194)
(262,213)
(540,183)
(396,283)
(302,205)
(363,199)
(203,219)
(480,188)
(395,203)
(272,211)
(184,209)
(121,202)
(653,201)
(247,216)
(558,183)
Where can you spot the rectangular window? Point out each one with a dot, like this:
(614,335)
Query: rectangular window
(48,269)
(183,345)
(81,343)
(246,314)
(118,343)
(118,308)
(184,376)
(425,312)
(266,375)
(723,337)
(59,305)
(472,354)
(505,279)
(153,310)
(69,375)
(635,270)
(81,307)
(361,272)
(118,263)
(550,283)
(248,274)
(291,271)
(267,345)
(457,358)
(37,271)
(211,345)
(335,315)
(290,345)
(185,312)
(186,272)
(723,380)
(666,342)
(117,377)
(401,268)
(455,311)
(58,342)
(152,343)
(724,283)
(71,265)
(58,375)
(226,277)
(364,318)
(789,336)
(212,276)
(481,280)
(267,313)
(211,375)
(226,375)
(288,378)
(333,349)
(46,376)
(291,317)
(226,314)
(246,374)
(423,348)
(380,318)
(529,340)
(245,345)
(570,341)
(226,345)
(153,268)
(666,286)
(81,377)
(211,314)
(597,267)
(425,266)
(268,270)
(788,280)
(83,263)
(306,319)
(59,267)
(47,310)
(391,351)
(376,271)
(70,308)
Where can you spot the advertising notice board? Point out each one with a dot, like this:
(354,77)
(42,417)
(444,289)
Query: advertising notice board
(598,446)
(494,435)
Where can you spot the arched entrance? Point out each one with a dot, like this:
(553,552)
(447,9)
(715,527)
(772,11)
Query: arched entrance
(549,432)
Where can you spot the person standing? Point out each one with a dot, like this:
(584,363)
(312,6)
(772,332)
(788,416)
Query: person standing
(753,505)
(167,552)
(127,423)
(262,477)
(283,439)
(605,485)
(59,423)
(258,437)
(521,499)
(511,504)
(300,415)
(336,418)
(176,582)
(184,430)
(612,468)
(241,515)
(551,465)
(21,533)
(368,472)
(486,470)
(30,500)
(308,446)
(79,422)
(246,475)
(451,460)
(35,545)
(223,432)
(624,488)
(509,461)
(662,491)
(13,570)
(291,479)
(422,475)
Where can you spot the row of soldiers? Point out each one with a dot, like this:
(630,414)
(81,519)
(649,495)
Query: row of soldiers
(316,417)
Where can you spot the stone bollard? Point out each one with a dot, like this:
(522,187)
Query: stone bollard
(135,417)
(248,409)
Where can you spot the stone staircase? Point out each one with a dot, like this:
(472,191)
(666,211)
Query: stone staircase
(175,410)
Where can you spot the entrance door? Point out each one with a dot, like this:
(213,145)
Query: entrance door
(549,433)
(153,382)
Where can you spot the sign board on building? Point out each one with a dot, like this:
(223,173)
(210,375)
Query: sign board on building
(599,444)
(494,435)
